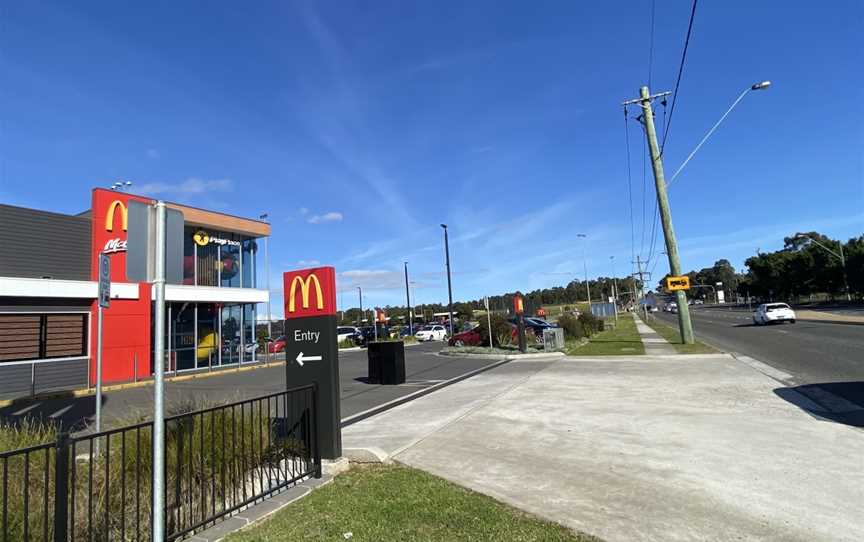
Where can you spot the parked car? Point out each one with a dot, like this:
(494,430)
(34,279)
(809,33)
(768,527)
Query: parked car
(347,332)
(277,346)
(467,338)
(251,348)
(534,326)
(698,302)
(432,333)
(768,313)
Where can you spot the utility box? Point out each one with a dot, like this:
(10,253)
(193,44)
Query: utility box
(386,362)
(553,339)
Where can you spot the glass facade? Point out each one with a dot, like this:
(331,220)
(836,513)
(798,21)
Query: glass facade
(205,335)
(214,258)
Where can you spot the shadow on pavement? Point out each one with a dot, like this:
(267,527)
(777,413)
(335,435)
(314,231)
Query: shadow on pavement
(70,412)
(840,402)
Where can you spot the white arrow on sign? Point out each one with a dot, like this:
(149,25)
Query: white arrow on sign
(300,358)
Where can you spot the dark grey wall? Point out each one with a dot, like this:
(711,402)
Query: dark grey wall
(15,379)
(38,244)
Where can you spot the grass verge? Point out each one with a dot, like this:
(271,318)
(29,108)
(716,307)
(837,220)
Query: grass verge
(396,503)
(621,341)
(672,335)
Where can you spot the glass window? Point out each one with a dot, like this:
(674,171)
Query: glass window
(207,265)
(206,351)
(250,346)
(229,266)
(231,334)
(182,338)
(249,250)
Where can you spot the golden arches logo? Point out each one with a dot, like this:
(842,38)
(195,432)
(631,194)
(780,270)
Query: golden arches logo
(124,215)
(305,286)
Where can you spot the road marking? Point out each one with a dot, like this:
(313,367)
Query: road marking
(26,409)
(60,412)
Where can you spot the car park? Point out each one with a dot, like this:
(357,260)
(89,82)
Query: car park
(347,332)
(432,333)
(277,346)
(467,338)
(769,313)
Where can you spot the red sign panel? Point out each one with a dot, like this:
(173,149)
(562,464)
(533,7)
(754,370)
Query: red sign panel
(310,292)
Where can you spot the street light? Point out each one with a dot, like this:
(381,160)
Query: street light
(449,286)
(408,303)
(757,86)
(263,217)
(585,263)
(360,318)
(836,255)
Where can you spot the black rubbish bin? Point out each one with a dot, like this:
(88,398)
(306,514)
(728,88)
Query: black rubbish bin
(386,362)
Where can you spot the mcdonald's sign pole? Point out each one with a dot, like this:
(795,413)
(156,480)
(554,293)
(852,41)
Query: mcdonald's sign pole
(311,352)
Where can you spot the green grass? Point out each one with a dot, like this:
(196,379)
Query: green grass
(672,335)
(395,503)
(621,341)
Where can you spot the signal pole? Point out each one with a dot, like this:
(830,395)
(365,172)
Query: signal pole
(684,324)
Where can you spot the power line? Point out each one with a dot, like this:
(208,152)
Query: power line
(680,71)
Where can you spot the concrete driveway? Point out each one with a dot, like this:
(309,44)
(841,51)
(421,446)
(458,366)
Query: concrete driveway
(651,448)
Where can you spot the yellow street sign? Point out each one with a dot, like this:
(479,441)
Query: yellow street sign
(677,283)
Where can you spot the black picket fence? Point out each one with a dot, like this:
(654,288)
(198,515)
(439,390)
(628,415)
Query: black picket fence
(217,461)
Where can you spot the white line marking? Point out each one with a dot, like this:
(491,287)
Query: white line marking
(26,409)
(60,412)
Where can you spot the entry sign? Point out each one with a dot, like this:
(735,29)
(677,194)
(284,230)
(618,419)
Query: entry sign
(311,352)
(104,281)
(677,283)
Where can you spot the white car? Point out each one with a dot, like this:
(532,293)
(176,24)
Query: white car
(773,312)
(346,332)
(432,333)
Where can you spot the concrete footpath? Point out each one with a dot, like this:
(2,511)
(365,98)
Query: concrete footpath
(651,448)
(654,344)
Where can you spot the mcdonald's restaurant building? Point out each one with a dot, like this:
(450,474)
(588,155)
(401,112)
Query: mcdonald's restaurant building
(48,291)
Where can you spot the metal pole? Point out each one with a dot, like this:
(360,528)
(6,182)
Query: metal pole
(360,318)
(489,323)
(159,381)
(614,289)
(408,303)
(684,323)
(98,370)
(449,286)
(267,282)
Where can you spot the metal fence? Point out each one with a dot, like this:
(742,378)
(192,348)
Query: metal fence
(217,461)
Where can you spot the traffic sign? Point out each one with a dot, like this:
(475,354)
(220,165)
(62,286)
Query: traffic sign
(677,283)
(104,281)
(141,244)
(311,352)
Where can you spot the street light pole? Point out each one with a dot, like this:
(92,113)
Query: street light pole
(449,286)
(267,284)
(360,318)
(614,288)
(684,324)
(585,264)
(408,303)
(840,256)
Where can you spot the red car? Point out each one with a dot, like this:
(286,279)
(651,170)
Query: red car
(277,346)
(472,337)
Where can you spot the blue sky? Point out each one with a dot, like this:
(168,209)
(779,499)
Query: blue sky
(360,126)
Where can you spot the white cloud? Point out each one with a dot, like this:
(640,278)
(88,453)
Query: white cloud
(308,262)
(332,216)
(153,154)
(192,185)
(371,279)
(304,211)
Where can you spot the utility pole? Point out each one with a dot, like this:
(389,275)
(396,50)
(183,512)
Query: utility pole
(641,274)
(449,287)
(408,303)
(684,324)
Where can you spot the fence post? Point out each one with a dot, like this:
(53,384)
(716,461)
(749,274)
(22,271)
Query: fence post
(316,449)
(61,487)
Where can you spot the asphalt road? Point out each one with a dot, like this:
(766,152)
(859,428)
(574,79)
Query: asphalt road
(825,355)
(423,368)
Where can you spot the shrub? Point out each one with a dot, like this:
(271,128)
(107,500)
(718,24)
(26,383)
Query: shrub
(590,323)
(571,325)
(347,343)
(502,331)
